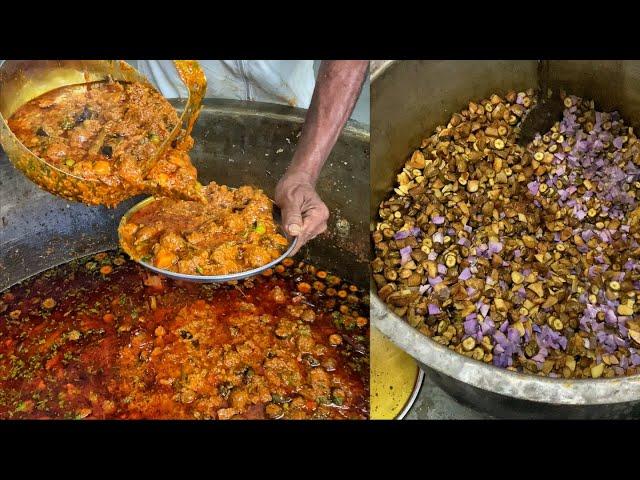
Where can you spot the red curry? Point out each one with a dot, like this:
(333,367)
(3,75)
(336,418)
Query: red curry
(109,131)
(101,338)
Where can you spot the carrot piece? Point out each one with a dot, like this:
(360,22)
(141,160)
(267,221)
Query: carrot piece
(106,270)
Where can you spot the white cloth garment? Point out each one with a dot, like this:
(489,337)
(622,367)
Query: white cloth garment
(288,82)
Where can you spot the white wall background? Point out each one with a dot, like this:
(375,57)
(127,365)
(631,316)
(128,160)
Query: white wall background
(361,110)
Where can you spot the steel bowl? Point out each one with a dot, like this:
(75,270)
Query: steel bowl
(293,241)
(408,100)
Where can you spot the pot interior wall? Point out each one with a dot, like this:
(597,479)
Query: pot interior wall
(236,143)
(612,84)
(410,98)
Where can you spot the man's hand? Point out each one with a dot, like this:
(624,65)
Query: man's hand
(304,214)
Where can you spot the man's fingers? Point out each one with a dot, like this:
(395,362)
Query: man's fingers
(309,232)
(315,222)
(311,227)
(304,215)
(314,226)
(293,223)
(293,228)
(318,230)
(302,239)
(292,217)
(297,248)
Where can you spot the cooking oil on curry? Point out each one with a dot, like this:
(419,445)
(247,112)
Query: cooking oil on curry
(102,338)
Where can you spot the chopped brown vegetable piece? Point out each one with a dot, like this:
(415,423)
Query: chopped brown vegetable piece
(519,246)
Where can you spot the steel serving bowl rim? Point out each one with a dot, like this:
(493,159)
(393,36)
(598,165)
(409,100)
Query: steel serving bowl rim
(200,278)
(488,377)
(414,395)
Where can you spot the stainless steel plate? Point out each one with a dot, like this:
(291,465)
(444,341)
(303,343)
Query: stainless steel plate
(414,395)
(209,278)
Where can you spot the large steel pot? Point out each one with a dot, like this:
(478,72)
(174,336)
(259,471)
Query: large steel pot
(236,143)
(408,100)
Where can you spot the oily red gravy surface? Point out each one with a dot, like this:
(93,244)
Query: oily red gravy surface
(101,338)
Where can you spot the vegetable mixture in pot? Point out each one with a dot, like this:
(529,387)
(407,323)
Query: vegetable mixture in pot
(526,258)
(233,231)
(101,338)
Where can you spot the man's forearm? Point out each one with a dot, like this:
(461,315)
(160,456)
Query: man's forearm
(337,89)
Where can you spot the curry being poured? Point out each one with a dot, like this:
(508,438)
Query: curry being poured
(126,137)
(105,135)
(105,131)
